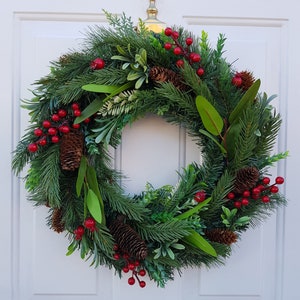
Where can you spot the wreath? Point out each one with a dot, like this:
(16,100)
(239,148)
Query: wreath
(78,113)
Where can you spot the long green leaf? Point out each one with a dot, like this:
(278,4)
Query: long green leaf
(206,133)
(198,241)
(193,210)
(93,206)
(247,98)
(100,88)
(210,117)
(81,175)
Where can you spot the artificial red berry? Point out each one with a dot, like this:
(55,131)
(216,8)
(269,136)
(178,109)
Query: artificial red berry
(55,139)
(76,126)
(200,196)
(177,51)
(38,132)
(131,266)
(189,41)
(46,124)
(195,57)
(245,201)
(97,64)
(200,71)
(142,272)
(168,31)
(246,193)
(265,199)
(75,106)
(90,224)
(62,113)
(32,147)
(126,256)
(79,232)
(237,81)
(231,196)
(137,263)
(125,269)
(168,46)
(77,112)
(142,284)
(255,196)
(266,180)
(117,256)
(274,189)
(52,131)
(279,180)
(237,204)
(175,35)
(179,63)
(55,117)
(42,141)
(256,191)
(64,129)
(87,120)
(116,247)
(131,281)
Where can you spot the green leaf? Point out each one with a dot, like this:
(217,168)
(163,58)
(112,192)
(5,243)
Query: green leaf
(139,82)
(133,75)
(100,88)
(119,57)
(72,247)
(193,210)
(206,133)
(81,175)
(93,205)
(210,117)
(247,98)
(121,50)
(231,136)
(198,241)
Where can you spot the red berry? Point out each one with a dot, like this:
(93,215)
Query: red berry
(75,106)
(189,41)
(237,81)
(42,141)
(46,124)
(87,120)
(175,35)
(255,196)
(131,266)
(90,224)
(52,131)
(125,269)
(246,194)
(76,126)
(168,31)
(97,64)
(245,201)
(137,263)
(62,113)
(38,132)
(142,284)
(126,256)
(117,256)
(131,281)
(179,63)
(77,112)
(274,189)
(64,129)
(200,196)
(237,204)
(265,199)
(256,191)
(32,147)
(142,272)
(231,196)
(177,51)
(79,230)
(115,247)
(200,71)
(266,180)
(279,180)
(55,139)
(55,117)
(195,57)
(168,46)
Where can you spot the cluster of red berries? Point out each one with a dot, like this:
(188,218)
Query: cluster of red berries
(261,191)
(97,64)
(131,265)
(200,196)
(59,123)
(89,223)
(178,49)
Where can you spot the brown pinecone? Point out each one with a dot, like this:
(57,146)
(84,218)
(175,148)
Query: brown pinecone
(247,79)
(71,150)
(246,178)
(128,240)
(221,235)
(57,223)
(161,74)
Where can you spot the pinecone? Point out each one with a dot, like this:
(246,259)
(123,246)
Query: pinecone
(246,179)
(57,223)
(247,79)
(128,240)
(71,150)
(221,236)
(161,74)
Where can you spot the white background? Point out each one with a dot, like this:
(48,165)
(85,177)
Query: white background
(263,35)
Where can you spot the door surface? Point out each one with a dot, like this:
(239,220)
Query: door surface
(263,36)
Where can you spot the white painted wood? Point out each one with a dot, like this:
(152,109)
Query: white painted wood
(32,262)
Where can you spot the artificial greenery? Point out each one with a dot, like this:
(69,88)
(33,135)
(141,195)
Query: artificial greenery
(120,75)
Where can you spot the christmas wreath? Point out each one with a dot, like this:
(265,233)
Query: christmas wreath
(78,112)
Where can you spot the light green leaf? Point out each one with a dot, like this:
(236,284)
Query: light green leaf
(133,75)
(100,88)
(171,253)
(178,246)
(210,117)
(81,175)
(93,206)
(119,57)
(198,241)
(71,249)
(139,82)
(206,133)
(247,98)
(121,50)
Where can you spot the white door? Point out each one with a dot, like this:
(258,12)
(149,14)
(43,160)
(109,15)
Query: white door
(33,265)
